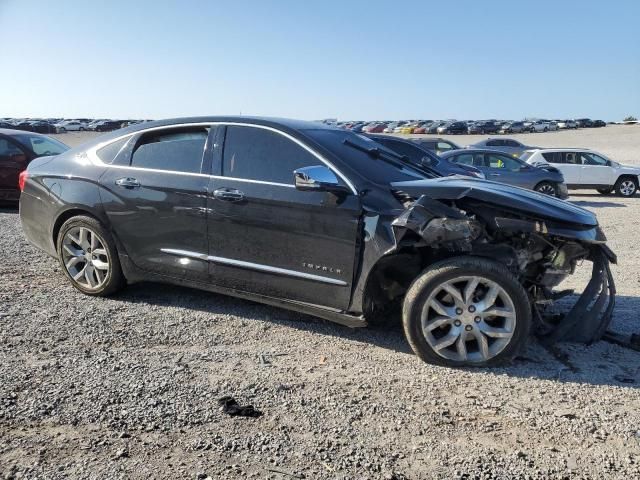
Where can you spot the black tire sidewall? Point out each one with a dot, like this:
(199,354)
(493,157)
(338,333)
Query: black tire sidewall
(115,279)
(440,272)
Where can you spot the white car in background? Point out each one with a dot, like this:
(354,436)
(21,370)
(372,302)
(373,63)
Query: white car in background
(566,124)
(585,169)
(540,126)
(71,126)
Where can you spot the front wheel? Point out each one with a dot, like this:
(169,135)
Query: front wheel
(626,186)
(547,188)
(466,311)
(88,257)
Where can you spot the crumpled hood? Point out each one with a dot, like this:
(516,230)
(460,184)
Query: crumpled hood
(504,196)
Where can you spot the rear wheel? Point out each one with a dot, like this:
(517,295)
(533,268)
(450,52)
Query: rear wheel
(547,188)
(626,186)
(88,256)
(466,311)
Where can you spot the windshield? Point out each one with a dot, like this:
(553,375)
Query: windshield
(41,145)
(384,166)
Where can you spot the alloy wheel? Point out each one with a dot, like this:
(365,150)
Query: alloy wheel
(85,257)
(627,188)
(547,189)
(469,319)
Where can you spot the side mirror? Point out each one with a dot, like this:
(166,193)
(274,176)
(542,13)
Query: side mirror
(317,178)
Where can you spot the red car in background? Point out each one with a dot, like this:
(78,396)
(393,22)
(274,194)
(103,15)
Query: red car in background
(17,149)
(375,128)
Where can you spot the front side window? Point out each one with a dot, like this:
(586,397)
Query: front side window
(254,153)
(502,162)
(177,150)
(593,159)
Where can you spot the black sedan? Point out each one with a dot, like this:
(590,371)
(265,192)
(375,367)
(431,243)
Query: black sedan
(316,219)
(421,157)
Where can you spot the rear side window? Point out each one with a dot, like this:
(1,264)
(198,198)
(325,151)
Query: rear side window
(495,143)
(570,158)
(108,153)
(512,143)
(552,157)
(465,159)
(254,153)
(174,150)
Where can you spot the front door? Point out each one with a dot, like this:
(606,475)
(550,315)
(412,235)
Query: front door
(269,238)
(596,170)
(502,168)
(156,201)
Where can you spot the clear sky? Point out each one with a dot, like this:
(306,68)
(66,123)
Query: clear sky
(320,59)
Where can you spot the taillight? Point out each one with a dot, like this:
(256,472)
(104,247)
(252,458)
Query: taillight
(22,179)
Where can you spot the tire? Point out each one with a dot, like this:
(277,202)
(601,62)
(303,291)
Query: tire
(63,130)
(604,191)
(547,188)
(626,186)
(504,337)
(82,129)
(84,245)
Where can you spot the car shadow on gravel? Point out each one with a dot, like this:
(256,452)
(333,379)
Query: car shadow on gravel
(388,336)
(586,203)
(599,364)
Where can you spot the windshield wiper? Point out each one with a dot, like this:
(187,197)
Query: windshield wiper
(391,157)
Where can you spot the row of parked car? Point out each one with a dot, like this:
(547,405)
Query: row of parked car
(552,171)
(61,125)
(482,127)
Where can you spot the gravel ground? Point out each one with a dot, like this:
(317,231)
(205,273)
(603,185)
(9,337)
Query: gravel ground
(127,387)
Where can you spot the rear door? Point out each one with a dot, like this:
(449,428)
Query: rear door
(267,237)
(569,163)
(505,169)
(156,197)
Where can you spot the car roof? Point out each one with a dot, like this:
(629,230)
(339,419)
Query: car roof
(11,132)
(563,149)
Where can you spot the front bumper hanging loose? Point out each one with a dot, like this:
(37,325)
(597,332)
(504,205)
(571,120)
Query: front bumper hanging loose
(589,318)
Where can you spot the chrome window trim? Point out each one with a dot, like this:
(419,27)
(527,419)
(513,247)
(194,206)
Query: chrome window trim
(253,266)
(93,156)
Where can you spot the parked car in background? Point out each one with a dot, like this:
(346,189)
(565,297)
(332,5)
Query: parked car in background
(484,127)
(421,157)
(436,145)
(41,126)
(599,123)
(392,126)
(587,169)
(433,128)
(566,124)
(504,168)
(374,128)
(553,126)
(584,122)
(453,128)
(539,126)
(17,149)
(466,272)
(71,126)
(506,145)
(108,126)
(512,127)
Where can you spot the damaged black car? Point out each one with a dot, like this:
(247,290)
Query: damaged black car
(322,221)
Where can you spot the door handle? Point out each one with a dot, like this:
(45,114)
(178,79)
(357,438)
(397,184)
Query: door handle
(128,182)
(228,195)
